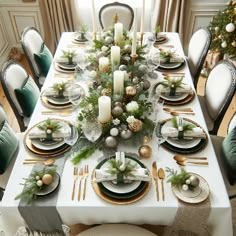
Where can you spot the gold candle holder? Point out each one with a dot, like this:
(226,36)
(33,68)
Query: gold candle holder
(141,39)
(133,58)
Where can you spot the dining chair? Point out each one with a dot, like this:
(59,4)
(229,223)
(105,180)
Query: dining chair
(9,146)
(219,91)
(197,52)
(38,55)
(225,150)
(21,91)
(123,11)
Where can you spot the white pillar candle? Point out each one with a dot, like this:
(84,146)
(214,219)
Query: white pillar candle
(115,55)
(118,33)
(104,109)
(103,64)
(142,18)
(93,17)
(118,82)
(134,41)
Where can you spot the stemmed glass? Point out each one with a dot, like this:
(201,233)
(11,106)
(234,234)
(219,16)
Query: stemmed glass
(92,130)
(72,136)
(153,62)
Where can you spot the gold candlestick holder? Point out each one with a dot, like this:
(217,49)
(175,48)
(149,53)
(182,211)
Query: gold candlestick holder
(134,56)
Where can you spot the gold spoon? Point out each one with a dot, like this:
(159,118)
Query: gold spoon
(184,163)
(183,158)
(47,162)
(168,109)
(161,176)
(176,113)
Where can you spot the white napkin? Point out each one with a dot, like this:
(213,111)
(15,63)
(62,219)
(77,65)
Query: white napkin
(172,132)
(139,173)
(37,133)
(173,59)
(185,88)
(51,92)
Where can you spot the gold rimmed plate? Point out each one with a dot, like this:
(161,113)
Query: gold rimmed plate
(59,69)
(200,194)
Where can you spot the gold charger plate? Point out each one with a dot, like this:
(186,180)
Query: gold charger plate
(59,69)
(55,152)
(120,201)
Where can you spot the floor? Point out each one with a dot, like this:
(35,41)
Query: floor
(200,89)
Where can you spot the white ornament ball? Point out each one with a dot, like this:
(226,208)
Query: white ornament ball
(230,27)
(93,74)
(39,183)
(104,48)
(185,187)
(188,181)
(217,29)
(194,180)
(108,40)
(224,44)
(37,177)
(233,44)
(114,132)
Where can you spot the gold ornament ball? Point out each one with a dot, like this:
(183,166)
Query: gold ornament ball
(145,151)
(233,44)
(47,179)
(136,125)
(130,91)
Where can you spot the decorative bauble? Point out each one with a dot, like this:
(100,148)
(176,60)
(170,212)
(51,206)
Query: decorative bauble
(130,91)
(145,151)
(123,67)
(194,181)
(187,181)
(111,142)
(233,44)
(47,179)
(220,36)
(143,68)
(92,74)
(146,85)
(224,44)
(119,104)
(117,111)
(135,80)
(128,48)
(100,54)
(39,183)
(230,27)
(117,98)
(217,29)
(114,132)
(136,125)
(185,187)
(126,134)
(37,177)
(104,48)
(108,40)
(139,87)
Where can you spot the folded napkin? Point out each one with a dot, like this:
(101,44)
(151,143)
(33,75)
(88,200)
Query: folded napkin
(52,92)
(173,59)
(37,133)
(139,173)
(184,88)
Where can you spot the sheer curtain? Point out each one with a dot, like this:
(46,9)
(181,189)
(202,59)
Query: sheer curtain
(57,18)
(170,14)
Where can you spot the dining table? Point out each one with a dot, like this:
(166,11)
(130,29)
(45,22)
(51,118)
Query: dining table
(214,213)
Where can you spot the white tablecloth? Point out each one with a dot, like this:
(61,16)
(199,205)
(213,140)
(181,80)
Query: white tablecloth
(147,210)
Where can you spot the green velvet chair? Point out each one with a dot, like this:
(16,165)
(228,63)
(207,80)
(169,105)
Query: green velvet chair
(21,91)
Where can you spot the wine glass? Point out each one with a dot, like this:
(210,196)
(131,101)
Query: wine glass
(71,134)
(153,62)
(92,130)
(82,61)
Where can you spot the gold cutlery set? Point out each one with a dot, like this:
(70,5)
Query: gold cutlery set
(81,174)
(158,174)
(178,111)
(183,161)
(60,113)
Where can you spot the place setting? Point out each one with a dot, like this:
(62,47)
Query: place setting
(121,179)
(180,135)
(50,138)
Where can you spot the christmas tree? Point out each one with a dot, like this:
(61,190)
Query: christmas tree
(223,30)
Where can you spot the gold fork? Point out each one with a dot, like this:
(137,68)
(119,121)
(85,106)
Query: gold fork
(81,174)
(75,175)
(86,172)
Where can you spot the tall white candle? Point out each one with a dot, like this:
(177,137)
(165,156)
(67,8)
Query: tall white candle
(118,32)
(104,109)
(134,41)
(142,18)
(115,55)
(118,82)
(103,64)
(93,17)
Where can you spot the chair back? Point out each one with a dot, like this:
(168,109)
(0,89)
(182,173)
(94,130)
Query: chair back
(197,52)
(124,12)
(232,123)
(14,76)
(32,43)
(219,91)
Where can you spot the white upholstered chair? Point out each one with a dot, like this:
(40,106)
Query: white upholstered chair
(116,230)
(197,52)
(217,144)
(32,43)
(219,91)
(21,91)
(124,12)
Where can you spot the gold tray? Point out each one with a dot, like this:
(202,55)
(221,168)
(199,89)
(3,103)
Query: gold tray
(180,102)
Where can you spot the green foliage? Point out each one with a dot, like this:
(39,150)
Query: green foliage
(186,126)
(68,53)
(59,87)
(176,83)
(83,28)
(30,186)
(51,124)
(175,178)
(220,37)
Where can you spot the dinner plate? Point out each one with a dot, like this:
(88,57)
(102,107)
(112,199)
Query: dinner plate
(172,66)
(48,189)
(59,69)
(79,40)
(58,100)
(67,66)
(193,197)
(43,144)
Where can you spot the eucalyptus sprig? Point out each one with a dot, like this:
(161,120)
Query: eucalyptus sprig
(68,53)
(53,125)
(172,83)
(32,186)
(59,87)
(176,178)
(186,126)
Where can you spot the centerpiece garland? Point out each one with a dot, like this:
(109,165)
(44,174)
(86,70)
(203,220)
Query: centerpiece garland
(129,108)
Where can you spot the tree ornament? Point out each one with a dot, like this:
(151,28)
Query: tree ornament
(136,125)
(143,68)
(220,36)
(108,40)
(217,28)
(194,181)
(39,183)
(233,44)
(146,85)
(135,80)
(185,187)
(130,91)
(117,111)
(145,151)
(126,134)
(47,179)
(128,48)
(114,132)
(37,177)
(224,44)
(123,67)
(111,142)
(230,27)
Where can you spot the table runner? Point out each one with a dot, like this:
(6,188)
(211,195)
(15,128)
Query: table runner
(41,215)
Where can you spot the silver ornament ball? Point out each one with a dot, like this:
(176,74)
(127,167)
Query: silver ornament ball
(111,142)
(126,134)
(117,111)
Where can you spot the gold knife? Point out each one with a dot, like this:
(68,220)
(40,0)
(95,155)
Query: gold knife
(155,177)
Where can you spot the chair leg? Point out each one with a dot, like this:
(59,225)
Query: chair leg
(1,193)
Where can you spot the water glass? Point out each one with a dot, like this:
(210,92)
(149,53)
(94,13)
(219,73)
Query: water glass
(92,130)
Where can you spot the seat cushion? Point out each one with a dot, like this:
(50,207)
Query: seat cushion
(27,96)
(229,155)
(8,146)
(43,60)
